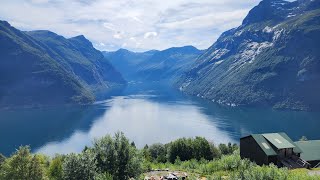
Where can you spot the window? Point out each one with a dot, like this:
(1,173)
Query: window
(265,145)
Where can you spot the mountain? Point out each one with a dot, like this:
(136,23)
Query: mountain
(80,58)
(154,65)
(271,60)
(127,62)
(168,64)
(42,68)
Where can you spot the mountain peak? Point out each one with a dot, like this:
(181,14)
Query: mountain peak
(121,50)
(183,49)
(268,10)
(278,10)
(4,23)
(81,39)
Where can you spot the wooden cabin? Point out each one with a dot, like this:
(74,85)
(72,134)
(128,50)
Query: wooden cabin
(279,149)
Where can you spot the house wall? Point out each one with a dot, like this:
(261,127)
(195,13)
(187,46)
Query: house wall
(251,150)
(273,159)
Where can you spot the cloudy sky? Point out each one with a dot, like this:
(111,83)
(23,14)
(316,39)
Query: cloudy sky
(132,24)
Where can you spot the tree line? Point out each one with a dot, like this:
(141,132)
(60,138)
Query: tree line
(110,157)
(116,158)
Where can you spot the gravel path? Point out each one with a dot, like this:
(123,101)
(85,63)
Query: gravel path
(314,173)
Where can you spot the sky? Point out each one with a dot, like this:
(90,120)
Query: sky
(137,25)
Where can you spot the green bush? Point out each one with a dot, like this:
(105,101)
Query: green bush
(189,148)
(117,157)
(103,176)
(158,152)
(79,166)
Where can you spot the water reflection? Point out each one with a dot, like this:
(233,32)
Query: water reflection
(36,127)
(146,113)
(145,122)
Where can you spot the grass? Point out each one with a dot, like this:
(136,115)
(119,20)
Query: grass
(233,167)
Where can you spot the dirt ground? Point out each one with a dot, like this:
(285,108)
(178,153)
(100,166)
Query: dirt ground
(157,174)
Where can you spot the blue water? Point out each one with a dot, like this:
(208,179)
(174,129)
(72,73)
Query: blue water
(146,113)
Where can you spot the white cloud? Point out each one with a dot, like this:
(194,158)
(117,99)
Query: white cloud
(137,19)
(156,24)
(212,20)
(150,35)
(109,26)
(132,39)
(39,1)
(124,45)
(118,36)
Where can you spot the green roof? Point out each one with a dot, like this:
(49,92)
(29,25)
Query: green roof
(278,140)
(310,149)
(264,144)
(271,142)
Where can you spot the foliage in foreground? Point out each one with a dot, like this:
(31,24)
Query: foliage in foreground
(115,158)
(233,167)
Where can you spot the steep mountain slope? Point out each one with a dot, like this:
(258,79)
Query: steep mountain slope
(30,76)
(127,62)
(43,68)
(272,59)
(80,58)
(154,65)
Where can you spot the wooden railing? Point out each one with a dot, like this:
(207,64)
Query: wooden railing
(295,162)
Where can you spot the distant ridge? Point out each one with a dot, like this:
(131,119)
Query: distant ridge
(166,65)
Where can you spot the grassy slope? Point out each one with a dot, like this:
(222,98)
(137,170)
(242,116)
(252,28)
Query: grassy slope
(233,167)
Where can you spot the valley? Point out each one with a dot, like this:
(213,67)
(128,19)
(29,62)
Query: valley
(57,94)
(122,89)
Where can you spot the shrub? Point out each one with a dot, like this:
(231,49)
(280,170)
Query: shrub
(188,148)
(103,176)
(158,152)
(117,157)
(79,166)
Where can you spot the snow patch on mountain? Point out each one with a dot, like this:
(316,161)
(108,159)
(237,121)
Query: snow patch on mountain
(218,62)
(185,84)
(277,34)
(267,29)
